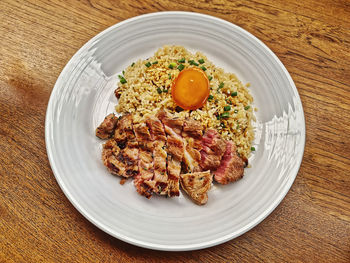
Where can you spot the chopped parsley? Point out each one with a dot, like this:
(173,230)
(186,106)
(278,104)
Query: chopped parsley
(233,94)
(227,108)
(201,61)
(203,68)
(148,64)
(181,60)
(247,107)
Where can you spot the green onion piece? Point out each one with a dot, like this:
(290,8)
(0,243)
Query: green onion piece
(222,125)
(148,64)
(169,76)
(201,61)
(203,68)
(159,90)
(218,117)
(235,111)
(247,107)
(237,126)
(172,65)
(225,115)
(181,67)
(122,79)
(252,149)
(123,72)
(210,78)
(132,64)
(227,108)
(181,60)
(211,97)
(155,62)
(221,85)
(192,62)
(165,90)
(233,94)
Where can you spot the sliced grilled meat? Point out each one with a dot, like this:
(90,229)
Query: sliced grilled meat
(124,130)
(196,185)
(122,162)
(159,155)
(231,167)
(213,150)
(107,127)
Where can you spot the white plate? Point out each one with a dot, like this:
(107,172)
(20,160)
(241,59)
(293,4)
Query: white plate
(83,95)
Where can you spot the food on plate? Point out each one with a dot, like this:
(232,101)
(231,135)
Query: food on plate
(146,86)
(182,123)
(163,152)
(196,185)
(190,89)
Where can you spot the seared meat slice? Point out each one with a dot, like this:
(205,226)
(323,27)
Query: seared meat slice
(171,122)
(143,136)
(143,181)
(193,129)
(213,150)
(196,185)
(192,133)
(174,169)
(231,167)
(122,162)
(159,155)
(107,127)
(124,130)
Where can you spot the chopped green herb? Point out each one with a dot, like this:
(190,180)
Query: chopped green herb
(123,72)
(192,62)
(225,115)
(203,68)
(144,168)
(235,111)
(252,149)
(211,97)
(165,90)
(228,101)
(132,64)
(218,117)
(148,64)
(237,126)
(169,76)
(227,108)
(159,90)
(181,67)
(172,65)
(155,62)
(201,61)
(222,125)
(233,94)
(247,107)
(210,78)
(181,60)
(122,79)
(221,85)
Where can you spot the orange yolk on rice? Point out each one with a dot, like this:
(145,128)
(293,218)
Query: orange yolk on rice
(190,90)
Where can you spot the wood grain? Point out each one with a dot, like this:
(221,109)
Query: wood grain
(38,223)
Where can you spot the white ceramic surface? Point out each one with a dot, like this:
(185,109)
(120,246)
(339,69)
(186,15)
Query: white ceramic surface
(83,95)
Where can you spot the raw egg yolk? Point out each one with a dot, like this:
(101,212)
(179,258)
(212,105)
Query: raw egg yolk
(190,90)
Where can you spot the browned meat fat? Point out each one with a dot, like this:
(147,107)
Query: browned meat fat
(107,127)
(213,150)
(196,185)
(231,167)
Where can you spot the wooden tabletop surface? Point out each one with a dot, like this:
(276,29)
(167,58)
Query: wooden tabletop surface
(39,224)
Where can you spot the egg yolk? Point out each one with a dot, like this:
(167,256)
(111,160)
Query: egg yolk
(190,90)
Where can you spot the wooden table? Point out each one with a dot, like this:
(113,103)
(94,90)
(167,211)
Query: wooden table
(39,224)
